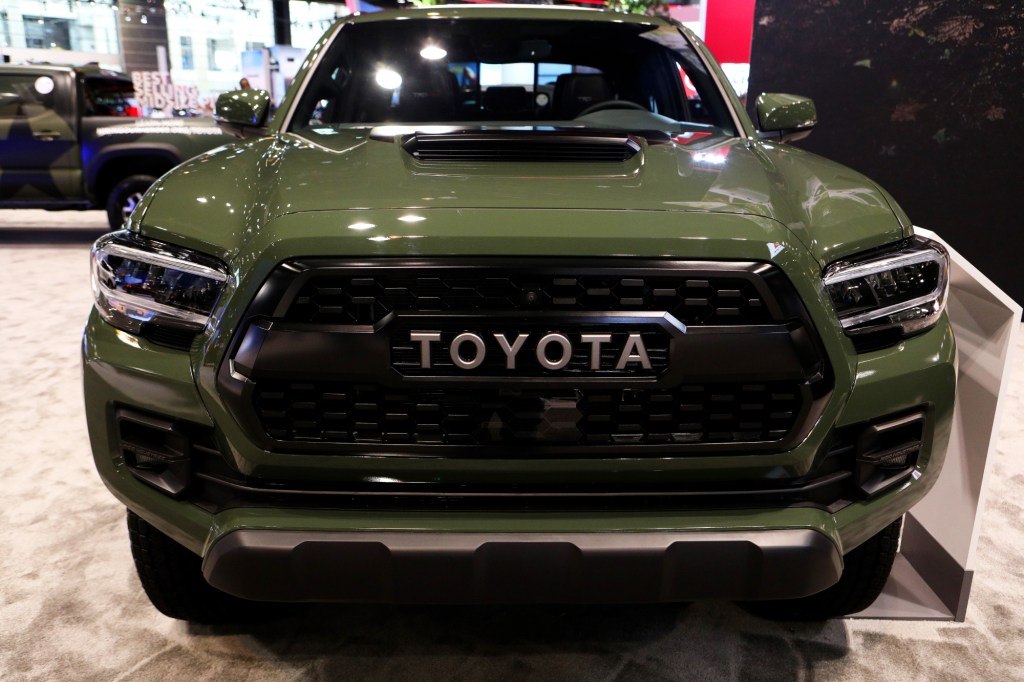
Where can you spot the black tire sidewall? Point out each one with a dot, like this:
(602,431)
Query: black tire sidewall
(121,191)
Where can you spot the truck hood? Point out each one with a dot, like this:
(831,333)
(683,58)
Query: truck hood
(223,199)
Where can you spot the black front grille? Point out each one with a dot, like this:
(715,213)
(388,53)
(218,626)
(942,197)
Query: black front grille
(330,359)
(688,414)
(518,146)
(366,298)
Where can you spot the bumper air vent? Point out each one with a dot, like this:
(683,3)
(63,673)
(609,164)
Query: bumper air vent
(556,146)
(160,451)
(179,338)
(887,452)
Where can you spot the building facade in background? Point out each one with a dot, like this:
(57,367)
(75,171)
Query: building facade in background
(194,45)
(201,46)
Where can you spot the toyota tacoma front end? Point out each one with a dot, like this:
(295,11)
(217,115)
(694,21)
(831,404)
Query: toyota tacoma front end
(488,313)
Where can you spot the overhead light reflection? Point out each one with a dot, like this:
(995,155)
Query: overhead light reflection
(411,218)
(388,79)
(433,52)
(361,226)
(127,338)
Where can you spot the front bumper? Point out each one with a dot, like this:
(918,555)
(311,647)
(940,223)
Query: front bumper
(452,568)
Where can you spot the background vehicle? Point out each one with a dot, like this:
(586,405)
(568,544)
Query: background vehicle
(71,139)
(430,335)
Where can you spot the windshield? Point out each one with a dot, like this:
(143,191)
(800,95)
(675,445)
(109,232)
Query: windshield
(444,71)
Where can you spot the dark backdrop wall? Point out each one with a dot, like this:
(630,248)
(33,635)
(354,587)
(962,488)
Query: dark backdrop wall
(926,97)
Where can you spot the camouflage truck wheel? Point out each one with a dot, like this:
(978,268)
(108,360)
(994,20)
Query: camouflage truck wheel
(125,196)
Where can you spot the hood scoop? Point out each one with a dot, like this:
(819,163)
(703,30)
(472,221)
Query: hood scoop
(527,146)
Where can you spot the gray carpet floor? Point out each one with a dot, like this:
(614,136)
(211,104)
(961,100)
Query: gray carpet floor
(71,606)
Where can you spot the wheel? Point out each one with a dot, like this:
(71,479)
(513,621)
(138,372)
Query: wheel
(172,577)
(865,570)
(125,196)
(612,104)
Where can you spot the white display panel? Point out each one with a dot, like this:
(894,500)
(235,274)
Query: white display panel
(932,575)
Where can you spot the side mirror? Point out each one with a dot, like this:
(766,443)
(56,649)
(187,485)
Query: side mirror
(243,113)
(785,118)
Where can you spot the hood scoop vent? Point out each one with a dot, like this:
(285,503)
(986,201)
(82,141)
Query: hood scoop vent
(527,146)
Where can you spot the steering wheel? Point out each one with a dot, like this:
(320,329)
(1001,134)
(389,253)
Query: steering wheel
(612,104)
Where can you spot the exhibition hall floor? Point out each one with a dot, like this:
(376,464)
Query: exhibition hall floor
(72,608)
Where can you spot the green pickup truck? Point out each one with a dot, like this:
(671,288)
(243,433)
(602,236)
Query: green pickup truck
(512,304)
(68,141)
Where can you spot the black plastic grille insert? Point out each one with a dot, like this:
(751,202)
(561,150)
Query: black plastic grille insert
(367,391)
(365,299)
(347,413)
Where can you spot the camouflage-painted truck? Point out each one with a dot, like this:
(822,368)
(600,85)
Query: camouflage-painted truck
(67,142)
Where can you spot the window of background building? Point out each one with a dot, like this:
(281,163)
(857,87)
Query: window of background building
(311,19)
(45,33)
(221,55)
(202,45)
(83,37)
(5,29)
(72,32)
(186,53)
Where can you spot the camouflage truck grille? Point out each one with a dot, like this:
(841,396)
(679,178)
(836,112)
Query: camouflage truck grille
(360,358)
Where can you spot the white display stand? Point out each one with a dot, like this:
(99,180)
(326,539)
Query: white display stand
(931,578)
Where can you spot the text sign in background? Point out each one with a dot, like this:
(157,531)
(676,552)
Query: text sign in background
(155,91)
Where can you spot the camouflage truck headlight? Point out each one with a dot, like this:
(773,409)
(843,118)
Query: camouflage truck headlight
(890,295)
(140,283)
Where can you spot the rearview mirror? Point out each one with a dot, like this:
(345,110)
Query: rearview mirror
(785,118)
(243,113)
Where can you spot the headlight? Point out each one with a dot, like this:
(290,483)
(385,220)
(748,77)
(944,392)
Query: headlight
(153,289)
(892,295)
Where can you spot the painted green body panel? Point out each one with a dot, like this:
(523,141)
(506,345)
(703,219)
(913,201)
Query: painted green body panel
(242,187)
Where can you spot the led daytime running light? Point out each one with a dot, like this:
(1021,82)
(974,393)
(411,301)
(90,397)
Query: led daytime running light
(138,282)
(164,261)
(892,296)
(848,273)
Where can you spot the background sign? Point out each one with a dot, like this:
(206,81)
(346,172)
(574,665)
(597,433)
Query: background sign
(154,91)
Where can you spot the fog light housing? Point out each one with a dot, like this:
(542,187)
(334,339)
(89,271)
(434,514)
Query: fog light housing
(887,452)
(155,450)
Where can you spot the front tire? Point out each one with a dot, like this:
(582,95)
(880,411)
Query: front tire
(865,571)
(124,197)
(172,577)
